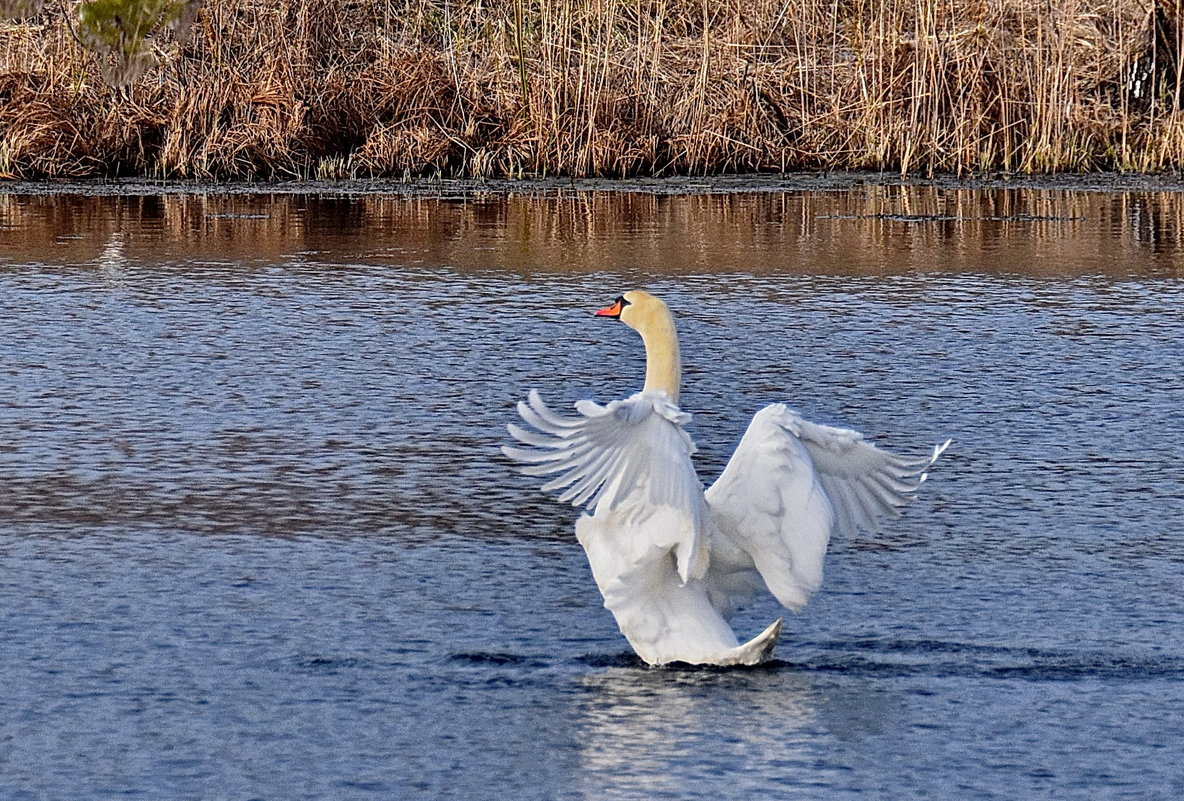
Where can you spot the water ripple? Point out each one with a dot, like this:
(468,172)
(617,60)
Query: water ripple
(257,538)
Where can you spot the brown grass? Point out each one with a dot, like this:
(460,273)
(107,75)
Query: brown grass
(339,88)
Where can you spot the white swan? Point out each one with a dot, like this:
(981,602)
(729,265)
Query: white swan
(673,561)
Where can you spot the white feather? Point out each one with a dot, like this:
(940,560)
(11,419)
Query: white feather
(673,561)
(630,460)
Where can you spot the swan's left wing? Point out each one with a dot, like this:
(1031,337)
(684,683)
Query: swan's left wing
(790,485)
(631,457)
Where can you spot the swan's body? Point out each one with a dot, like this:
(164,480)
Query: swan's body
(673,561)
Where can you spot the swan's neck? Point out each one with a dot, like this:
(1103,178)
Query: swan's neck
(663,367)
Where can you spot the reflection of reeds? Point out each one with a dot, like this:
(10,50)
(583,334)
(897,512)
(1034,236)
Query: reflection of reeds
(873,229)
(596,87)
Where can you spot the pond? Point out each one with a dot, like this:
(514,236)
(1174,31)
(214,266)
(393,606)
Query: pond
(257,539)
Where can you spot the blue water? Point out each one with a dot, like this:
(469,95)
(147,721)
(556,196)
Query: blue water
(257,542)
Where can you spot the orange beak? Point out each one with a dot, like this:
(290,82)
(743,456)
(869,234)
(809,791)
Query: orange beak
(613,311)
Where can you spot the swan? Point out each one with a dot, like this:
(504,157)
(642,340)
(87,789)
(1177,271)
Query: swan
(672,560)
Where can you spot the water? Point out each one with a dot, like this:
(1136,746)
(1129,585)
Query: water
(256,540)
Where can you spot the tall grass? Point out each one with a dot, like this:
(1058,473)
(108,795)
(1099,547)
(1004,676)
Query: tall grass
(340,88)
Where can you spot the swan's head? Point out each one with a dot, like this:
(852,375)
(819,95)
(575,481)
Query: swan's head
(637,309)
(649,317)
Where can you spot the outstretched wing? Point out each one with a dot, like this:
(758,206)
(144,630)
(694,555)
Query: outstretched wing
(789,485)
(629,458)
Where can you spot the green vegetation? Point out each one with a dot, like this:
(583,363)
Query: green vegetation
(337,88)
(121,31)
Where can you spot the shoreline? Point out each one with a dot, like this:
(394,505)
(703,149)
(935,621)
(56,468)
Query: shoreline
(759,183)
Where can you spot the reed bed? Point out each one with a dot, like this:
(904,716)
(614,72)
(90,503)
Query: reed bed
(273,89)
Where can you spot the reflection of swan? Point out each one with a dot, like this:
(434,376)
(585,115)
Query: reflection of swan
(113,260)
(650,735)
(672,561)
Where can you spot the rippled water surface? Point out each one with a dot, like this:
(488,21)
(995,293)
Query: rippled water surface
(256,539)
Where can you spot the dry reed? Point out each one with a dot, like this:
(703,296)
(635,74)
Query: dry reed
(338,88)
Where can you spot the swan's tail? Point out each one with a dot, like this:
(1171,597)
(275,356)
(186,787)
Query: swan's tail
(757,650)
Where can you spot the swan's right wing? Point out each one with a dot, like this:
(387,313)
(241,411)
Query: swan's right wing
(790,485)
(630,459)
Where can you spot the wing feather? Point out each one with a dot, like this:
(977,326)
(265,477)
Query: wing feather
(789,486)
(630,457)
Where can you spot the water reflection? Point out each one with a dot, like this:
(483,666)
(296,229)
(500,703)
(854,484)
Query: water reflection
(863,229)
(113,260)
(701,733)
(329,378)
